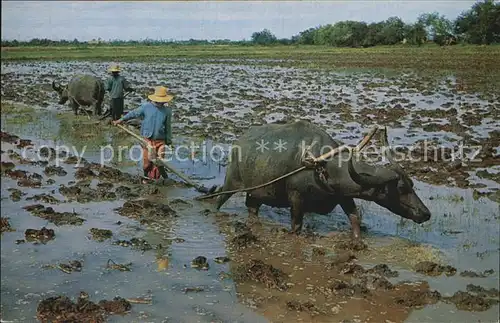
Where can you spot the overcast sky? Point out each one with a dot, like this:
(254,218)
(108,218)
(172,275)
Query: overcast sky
(235,20)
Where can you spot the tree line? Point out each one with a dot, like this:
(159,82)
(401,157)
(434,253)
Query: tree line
(478,25)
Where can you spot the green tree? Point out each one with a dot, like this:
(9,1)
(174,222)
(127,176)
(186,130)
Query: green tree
(341,34)
(392,31)
(306,37)
(264,37)
(440,29)
(416,34)
(373,34)
(324,35)
(480,24)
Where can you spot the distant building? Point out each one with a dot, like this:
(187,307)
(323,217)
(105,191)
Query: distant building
(94,41)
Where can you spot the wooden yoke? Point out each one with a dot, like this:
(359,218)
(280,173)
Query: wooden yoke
(311,160)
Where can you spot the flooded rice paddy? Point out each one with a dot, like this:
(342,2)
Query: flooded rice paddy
(173,259)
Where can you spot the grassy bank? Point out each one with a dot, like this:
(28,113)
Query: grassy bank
(432,57)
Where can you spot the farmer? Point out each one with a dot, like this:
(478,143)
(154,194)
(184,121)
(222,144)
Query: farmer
(116,85)
(156,129)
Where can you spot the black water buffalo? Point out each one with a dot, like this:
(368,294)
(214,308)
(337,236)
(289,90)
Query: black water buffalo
(342,180)
(82,90)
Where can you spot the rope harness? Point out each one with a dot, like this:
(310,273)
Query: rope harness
(311,162)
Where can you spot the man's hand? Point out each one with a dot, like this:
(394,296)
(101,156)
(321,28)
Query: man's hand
(117,122)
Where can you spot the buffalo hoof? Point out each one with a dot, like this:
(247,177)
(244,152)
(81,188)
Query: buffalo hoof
(294,232)
(356,236)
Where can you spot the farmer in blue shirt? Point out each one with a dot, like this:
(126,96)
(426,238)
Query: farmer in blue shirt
(156,129)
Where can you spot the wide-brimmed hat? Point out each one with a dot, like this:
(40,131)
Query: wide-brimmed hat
(160,95)
(114,68)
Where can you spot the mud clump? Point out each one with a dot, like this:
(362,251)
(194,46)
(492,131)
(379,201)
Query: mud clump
(23,143)
(383,270)
(432,269)
(62,309)
(377,283)
(136,243)
(109,172)
(318,251)
(468,302)
(143,208)
(16,174)
(72,266)
(244,240)
(117,306)
(43,235)
(82,193)
(354,244)
(71,191)
(342,263)
(113,174)
(105,185)
(15,194)
(5,225)
(7,166)
(483,292)
(55,170)
(258,271)
(73,160)
(344,288)
(31,181)
(6,137)
(416,298)
(125,192)
(342,258)
(200,262)
(472,274)
(58,218)
(45,198)
(84,173)
(350,268)
(50,153)
(101,234)
(308,307)
(239,227)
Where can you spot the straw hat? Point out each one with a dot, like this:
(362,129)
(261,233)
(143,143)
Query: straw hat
(114,68)
(160,95)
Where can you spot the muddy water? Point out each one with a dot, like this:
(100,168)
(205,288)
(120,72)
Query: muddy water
(221,101)
(463,232)
(24,283)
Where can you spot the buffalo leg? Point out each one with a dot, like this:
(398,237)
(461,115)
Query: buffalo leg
(221,199)
(354,215)
(253,206)
(296,211)
(231,182)
(98,108)
(74,107)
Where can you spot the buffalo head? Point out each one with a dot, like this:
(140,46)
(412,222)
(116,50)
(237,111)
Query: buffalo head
(62,91)
(388,186)
(392,188)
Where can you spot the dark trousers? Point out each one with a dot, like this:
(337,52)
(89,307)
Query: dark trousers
(116,108)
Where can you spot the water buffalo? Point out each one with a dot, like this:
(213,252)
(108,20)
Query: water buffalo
(82,90)
(342,179)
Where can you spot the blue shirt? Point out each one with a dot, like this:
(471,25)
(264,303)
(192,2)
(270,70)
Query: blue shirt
(156,123)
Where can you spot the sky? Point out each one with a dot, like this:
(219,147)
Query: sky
(234,20)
